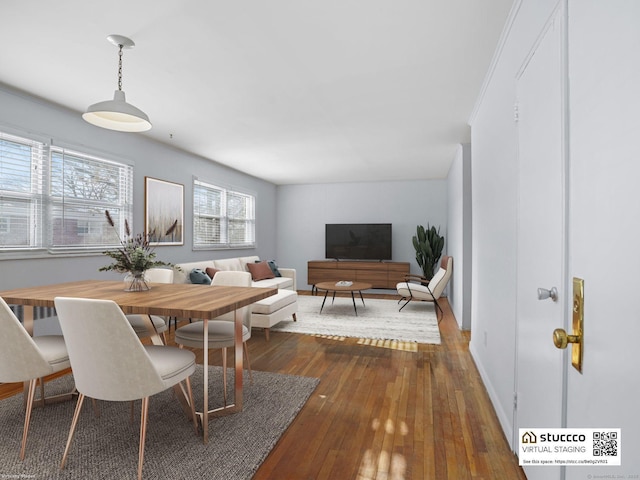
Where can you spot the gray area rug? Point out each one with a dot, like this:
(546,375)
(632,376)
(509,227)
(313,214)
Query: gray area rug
(377,319)
(107,447)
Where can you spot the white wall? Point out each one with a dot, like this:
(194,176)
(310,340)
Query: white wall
(494,177)
(303,211)
(459,238)
(604,223)
(23,114)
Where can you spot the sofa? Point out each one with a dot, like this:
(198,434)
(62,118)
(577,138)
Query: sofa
(287,280)
(267,312)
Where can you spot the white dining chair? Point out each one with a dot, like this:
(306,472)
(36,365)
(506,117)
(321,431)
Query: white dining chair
(27,359)
(221,329)
(109,362)
(140,322)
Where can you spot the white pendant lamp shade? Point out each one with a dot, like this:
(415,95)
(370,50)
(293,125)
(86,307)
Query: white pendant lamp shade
(117,114)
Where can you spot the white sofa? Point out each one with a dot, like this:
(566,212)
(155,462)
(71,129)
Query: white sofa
(267,312)
(286,281)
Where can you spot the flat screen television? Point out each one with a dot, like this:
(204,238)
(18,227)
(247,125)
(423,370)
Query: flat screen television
(358,241)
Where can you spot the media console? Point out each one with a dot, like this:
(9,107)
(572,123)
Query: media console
(378,274)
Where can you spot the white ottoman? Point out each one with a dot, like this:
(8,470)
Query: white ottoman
(266,313)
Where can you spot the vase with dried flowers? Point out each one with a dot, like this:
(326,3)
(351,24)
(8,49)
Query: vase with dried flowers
(134,257)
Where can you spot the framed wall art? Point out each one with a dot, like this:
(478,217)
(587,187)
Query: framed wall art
(163,207)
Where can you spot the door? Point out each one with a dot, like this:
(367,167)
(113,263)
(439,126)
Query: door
(541,239)
(604,41)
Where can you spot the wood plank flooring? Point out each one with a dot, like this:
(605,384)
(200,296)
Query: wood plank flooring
(382,411)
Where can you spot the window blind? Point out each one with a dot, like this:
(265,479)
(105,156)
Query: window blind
(222,218)
(22,186)
(82,188)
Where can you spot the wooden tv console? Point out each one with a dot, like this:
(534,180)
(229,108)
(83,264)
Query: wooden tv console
(378,274)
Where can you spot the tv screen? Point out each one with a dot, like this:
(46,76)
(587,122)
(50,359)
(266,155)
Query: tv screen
(358,241)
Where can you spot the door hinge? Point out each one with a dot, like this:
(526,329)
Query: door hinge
(516,113)
(515,400)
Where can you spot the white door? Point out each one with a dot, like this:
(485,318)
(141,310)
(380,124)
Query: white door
(541,239)
(604,46)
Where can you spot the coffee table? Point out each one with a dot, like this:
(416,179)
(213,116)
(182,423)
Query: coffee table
(343,287)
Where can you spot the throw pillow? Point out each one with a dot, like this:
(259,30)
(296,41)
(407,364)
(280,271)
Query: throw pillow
(260,271)
(200,277)
(211,272)
(274,268)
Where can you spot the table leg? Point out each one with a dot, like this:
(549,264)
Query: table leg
(324,300)
(205,365)
(153,333)
(237,405)
(353,299)
(27,323)
(238,358)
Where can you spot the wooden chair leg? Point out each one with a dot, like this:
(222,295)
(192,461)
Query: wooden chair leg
(246,355)
(27,416)
(74,422)
(143,434)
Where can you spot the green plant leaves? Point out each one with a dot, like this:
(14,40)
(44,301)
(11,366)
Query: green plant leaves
(428,244)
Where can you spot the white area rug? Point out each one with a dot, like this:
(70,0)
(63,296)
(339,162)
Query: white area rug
(377,319)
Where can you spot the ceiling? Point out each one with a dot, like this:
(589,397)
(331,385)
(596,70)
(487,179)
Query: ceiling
(291,91)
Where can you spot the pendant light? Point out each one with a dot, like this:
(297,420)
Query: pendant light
(117,114)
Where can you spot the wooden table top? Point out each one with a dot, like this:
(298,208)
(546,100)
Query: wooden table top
(175,300)
(332,287)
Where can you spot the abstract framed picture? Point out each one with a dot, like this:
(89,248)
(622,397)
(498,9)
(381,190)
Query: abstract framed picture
(163,207)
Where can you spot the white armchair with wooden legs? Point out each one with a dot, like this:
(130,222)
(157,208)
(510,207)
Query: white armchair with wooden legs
(417,288)
(220,330)
(26,359)
(109,362)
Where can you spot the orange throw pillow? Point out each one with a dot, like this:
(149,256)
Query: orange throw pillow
(210,271)
(260,271)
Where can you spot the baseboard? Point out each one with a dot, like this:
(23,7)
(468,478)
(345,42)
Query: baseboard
(504,418)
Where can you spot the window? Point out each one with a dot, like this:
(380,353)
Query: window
(54,199)
(222,218)
(22,170)
(82,188)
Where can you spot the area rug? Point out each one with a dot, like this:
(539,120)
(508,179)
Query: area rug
(106,447)
(377,319)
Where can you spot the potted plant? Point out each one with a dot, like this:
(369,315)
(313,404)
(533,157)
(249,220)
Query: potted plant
(134,257)
(428,244)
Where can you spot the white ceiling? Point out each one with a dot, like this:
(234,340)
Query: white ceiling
(291,91)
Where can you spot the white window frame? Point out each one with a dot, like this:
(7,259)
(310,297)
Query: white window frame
(224,216)
(34,198)
(42,202)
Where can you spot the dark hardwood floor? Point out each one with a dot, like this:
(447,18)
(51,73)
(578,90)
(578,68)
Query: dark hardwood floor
(381,411)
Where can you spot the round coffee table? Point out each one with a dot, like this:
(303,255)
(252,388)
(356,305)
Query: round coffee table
(343,287)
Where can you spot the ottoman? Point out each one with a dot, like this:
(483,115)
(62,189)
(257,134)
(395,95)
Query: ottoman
(266,313)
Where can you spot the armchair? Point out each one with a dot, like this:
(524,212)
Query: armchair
(419,288)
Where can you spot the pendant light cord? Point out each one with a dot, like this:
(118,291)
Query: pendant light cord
(120,68)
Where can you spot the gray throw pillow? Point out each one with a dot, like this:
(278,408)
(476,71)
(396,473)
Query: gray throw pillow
(198,276)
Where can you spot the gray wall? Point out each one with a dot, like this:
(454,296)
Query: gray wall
(290,219)
(303,211)
(22,114)
(459,241)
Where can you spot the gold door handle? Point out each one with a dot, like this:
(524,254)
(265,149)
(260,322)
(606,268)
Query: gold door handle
(561,339)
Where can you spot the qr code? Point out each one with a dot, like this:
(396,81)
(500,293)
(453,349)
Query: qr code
(605,444)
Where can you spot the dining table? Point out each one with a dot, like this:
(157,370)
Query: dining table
(192,301)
